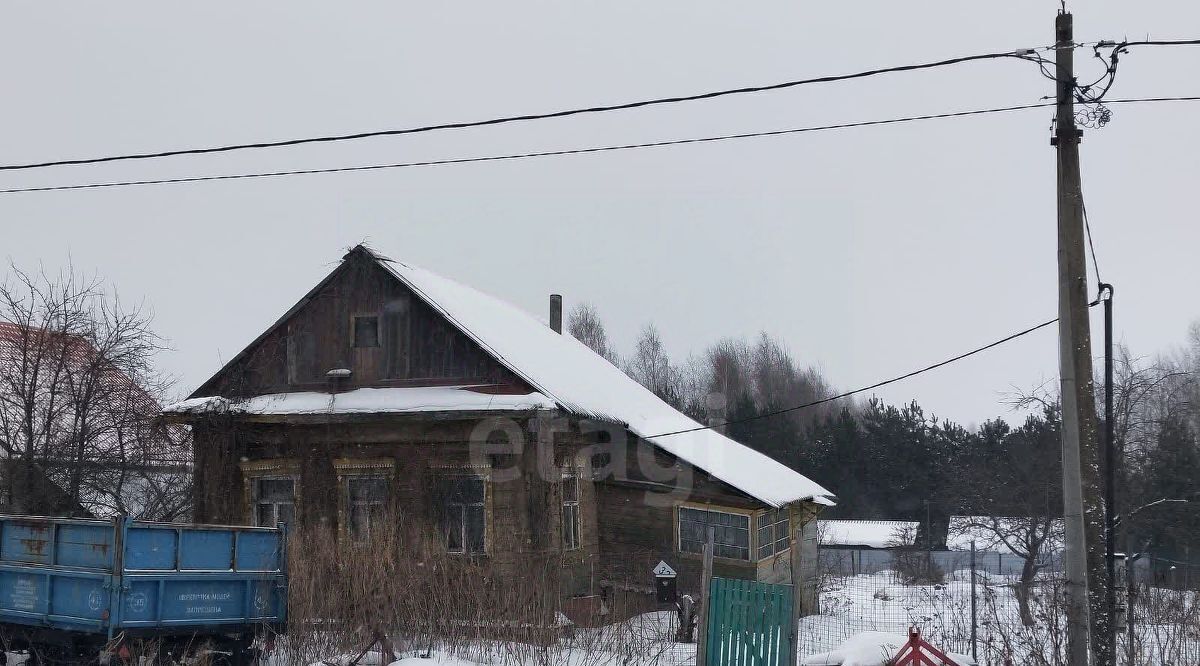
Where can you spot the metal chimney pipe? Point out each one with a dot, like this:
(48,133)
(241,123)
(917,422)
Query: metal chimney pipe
(556,313)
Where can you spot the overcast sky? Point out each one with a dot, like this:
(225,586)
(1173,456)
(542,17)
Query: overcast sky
(870,252)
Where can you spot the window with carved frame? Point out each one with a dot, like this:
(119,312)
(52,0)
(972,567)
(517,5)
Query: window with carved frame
(570,511)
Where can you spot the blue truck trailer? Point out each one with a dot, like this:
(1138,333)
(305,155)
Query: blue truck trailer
(86,591)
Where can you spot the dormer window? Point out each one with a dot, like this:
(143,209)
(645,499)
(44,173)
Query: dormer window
(366,331)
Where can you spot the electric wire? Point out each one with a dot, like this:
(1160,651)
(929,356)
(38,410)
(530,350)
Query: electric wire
(1087,226)
(519,156)
(1161,42)
(876,385)
(570,151)
(1022,54)
(1084,93)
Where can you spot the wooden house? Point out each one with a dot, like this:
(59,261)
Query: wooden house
(389,396)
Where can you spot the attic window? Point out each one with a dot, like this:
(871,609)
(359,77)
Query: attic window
(366,331)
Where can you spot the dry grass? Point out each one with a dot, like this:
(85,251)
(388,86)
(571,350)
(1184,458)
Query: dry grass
(404,599)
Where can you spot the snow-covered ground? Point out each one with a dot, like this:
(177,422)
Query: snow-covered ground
(864,620)
(854,608)
(878,603)
(645,640)
(873,648)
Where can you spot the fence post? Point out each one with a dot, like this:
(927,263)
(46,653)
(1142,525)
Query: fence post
(974,615)
(796,566)
(1131,592)
(705,589)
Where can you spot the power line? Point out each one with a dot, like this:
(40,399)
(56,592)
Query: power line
(876,385)
(1159,42)
(570,151)
(1133,100)
(520,156)
(1086,93)
(1023,54)
(1087,226)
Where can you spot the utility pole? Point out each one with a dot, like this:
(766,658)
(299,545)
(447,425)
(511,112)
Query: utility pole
(1131,596)
(1082,510)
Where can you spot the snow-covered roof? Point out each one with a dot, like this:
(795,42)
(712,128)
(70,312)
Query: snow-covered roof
(584,383)
(563,372)
(368,401)
(867,533)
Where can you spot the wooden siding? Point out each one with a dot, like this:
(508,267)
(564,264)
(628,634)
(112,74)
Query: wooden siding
(524,514)
(417,346)
(637,505)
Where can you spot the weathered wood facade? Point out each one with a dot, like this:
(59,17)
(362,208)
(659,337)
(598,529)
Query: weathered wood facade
(608,504)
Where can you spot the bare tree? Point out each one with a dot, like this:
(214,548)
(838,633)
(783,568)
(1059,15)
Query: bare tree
(583,323)
(1020,471)
(729,362)
(79,402)
(39,315)
(651,367)
(1033,538)
(779,382)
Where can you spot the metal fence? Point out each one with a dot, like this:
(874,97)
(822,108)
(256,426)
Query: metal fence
(958,608)
(855,561)
(884,601)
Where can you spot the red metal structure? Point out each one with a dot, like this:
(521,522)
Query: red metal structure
(916,652)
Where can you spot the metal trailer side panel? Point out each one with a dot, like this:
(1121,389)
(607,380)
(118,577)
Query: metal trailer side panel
(55,573)
(179,576)
(101,577)
(175,601)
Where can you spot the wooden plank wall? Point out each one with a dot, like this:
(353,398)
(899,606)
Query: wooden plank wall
(525,516)
(418,346)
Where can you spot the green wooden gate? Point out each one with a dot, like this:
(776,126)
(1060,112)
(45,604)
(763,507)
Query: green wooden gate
(748,624)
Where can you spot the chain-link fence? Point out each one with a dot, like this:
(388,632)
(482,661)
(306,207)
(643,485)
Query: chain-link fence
(983,610)
(887,600)
(855,561)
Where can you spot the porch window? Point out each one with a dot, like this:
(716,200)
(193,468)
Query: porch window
(274,502)
(366,501)
(570,511)
(464,511)
(772,533)
(731,533)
